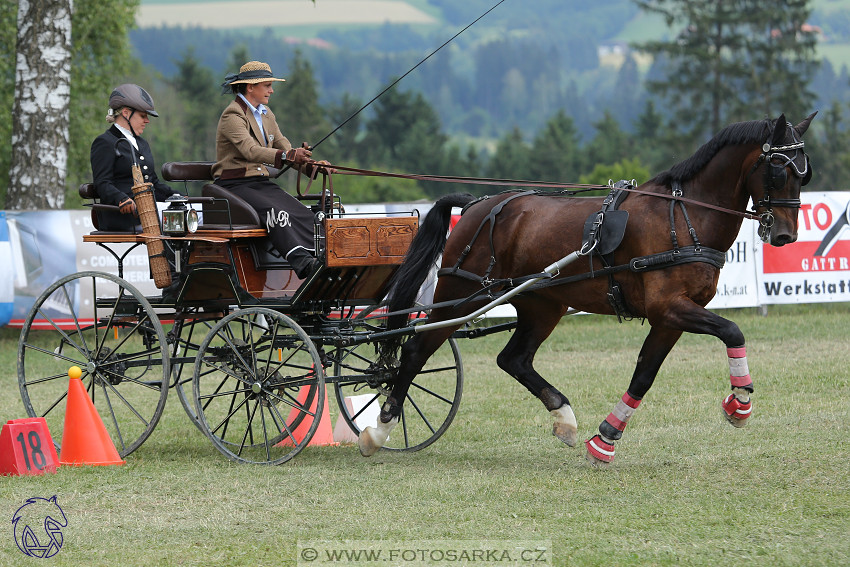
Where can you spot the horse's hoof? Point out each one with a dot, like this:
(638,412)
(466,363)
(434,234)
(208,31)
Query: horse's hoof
(565,426)
(734,420)
(596,463)
(368,442)
(566,432)
(599,452)
(735,411)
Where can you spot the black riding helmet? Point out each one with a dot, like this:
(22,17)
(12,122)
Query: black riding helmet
(132,96)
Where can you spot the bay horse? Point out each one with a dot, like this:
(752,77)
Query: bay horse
(662,266)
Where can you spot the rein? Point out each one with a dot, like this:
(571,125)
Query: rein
(569,189)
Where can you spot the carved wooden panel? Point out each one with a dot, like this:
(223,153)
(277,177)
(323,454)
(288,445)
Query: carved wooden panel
(368,241)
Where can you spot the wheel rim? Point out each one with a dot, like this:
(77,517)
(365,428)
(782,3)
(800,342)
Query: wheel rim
(257,376)
(122,352)
(432,400)
(188,335)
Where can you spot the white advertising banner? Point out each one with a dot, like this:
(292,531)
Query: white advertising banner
(44,246)
(815,268)
(738,282)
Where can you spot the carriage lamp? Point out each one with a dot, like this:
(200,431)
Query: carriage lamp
(179,219)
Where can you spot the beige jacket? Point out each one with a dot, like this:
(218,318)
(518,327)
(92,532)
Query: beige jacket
(239,146)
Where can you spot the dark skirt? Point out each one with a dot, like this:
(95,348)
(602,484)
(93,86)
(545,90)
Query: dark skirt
(288,221)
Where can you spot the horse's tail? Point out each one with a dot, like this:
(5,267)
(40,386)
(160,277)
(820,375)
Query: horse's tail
(427,245)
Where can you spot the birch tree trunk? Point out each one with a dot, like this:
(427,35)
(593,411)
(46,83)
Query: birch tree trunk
(42,102)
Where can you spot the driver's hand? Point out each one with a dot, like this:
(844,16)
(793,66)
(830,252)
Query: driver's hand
(298,156)
(323,167)
(127,206)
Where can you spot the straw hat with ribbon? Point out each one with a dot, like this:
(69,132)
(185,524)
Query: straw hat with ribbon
(250,73)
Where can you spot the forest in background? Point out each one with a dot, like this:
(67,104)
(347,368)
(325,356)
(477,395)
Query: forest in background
(551,92)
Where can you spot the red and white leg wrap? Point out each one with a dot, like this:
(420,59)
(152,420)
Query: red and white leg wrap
(619,418)
(600,449)
(739,372)
(737,409)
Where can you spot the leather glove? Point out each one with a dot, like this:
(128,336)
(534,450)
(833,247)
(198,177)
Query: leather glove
(321,166)
(298,156)
(127,206)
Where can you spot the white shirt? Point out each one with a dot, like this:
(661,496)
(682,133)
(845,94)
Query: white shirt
(258,115)
(128,135)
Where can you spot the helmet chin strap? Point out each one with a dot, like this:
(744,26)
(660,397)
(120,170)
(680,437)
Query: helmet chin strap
(127,119)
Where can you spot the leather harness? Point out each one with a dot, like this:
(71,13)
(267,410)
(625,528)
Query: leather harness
(603,233)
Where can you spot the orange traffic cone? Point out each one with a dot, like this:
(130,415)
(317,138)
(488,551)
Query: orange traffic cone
(323,435)
(85,440)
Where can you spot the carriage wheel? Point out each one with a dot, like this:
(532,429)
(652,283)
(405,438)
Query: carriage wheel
(122,351)
(188,334)
(257,376)
(432,400)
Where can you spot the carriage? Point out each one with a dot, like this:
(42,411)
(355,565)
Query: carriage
(248,347)
(258,345)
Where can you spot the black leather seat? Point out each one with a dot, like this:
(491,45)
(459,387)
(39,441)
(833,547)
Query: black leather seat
(228,212)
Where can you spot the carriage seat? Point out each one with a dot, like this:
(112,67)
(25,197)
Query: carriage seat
(215,215)
(88,191)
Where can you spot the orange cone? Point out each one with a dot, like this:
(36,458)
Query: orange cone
(85,440)
(323,435)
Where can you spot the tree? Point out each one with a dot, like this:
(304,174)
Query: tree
(343,144)
(627,169)
(202,105)
(8,24)
(297,100)
(832,141)
(610,144)
(42,105)
(729,57)
(512,157)
(556,154)
(405,132)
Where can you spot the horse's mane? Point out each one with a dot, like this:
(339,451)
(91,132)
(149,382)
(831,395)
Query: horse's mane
(754,131)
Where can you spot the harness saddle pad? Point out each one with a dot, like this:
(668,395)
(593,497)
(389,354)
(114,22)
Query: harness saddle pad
(610,233)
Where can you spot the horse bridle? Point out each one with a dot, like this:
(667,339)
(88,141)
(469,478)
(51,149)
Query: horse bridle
(775,178)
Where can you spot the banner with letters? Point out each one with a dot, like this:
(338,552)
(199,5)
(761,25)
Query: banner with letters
(44,246)
(815,268)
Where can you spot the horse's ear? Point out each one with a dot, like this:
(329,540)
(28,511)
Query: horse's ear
(804,125)
(779,131)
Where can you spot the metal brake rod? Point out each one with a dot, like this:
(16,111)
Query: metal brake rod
(551,270)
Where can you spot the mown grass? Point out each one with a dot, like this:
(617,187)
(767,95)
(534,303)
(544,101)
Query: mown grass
(686,488)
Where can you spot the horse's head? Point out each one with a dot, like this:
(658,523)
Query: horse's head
(785,169)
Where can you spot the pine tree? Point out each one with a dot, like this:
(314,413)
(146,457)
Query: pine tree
(731,60)
(296,104)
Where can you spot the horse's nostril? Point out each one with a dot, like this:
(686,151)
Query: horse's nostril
(783,239)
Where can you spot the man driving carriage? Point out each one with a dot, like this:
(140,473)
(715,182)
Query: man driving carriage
(248,139)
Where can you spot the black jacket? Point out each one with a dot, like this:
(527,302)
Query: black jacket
(110,165)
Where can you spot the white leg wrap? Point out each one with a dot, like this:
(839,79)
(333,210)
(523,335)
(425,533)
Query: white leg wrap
(565,427)
(373,438)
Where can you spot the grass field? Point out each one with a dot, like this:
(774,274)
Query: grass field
(686,488)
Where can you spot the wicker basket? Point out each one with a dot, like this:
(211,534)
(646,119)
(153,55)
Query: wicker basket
(146,206)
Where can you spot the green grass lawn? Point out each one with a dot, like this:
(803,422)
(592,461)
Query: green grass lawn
(686,488)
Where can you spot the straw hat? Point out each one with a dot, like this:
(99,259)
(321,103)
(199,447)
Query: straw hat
(250,73)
